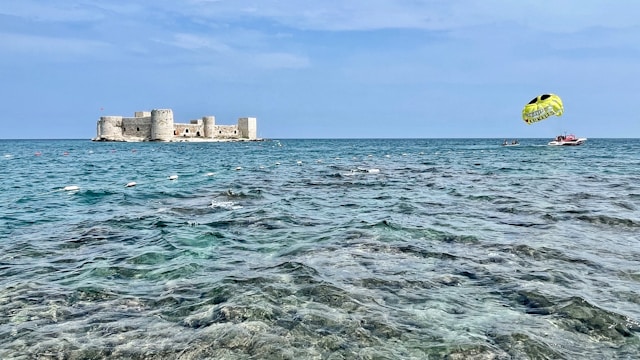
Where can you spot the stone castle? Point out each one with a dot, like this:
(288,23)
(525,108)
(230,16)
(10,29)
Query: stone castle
(158,125)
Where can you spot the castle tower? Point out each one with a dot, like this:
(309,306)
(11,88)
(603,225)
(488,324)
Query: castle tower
(248,128)
(161,125)
(110,127)
(209,126)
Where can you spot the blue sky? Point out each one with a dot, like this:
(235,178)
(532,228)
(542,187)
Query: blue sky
(322,69)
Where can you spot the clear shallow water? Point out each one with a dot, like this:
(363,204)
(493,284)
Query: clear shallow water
(324,249)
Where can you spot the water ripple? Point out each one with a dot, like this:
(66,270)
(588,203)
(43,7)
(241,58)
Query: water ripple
(327,249)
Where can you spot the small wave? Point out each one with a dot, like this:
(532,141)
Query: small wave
(610,221)
(253,193)
(228,205)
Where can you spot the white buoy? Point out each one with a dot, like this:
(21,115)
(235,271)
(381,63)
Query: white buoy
(71,188)
(277,162)
(239,168)
(374,171)
(210,174)
(299,163)
(131,184)
(173,177)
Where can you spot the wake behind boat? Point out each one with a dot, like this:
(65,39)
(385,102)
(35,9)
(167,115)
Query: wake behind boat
(567,140)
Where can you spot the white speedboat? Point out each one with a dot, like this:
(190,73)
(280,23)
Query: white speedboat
(567,140)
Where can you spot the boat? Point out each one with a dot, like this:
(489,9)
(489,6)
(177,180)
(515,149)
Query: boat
(512,143)
(567,140)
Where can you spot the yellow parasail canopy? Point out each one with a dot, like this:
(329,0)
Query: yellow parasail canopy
(541,107)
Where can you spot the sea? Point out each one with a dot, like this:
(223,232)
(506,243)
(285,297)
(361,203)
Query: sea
(320,249)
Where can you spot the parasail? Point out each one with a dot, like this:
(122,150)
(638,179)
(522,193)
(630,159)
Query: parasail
(541,107)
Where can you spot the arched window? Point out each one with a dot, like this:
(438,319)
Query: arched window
(198,133)
(138,129)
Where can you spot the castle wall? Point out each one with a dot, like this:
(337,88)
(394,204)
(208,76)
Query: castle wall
(138,127)
(142,114)
(226,131)
(162,125)
(248,128)
(188,130)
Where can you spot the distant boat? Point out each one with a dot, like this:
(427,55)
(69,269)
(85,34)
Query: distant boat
(512,143)
(567,140)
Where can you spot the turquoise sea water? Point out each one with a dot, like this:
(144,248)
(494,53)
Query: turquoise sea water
(320,249)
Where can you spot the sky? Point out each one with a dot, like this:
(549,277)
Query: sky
(322,68)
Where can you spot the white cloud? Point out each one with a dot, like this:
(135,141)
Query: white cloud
(196,42)
(46,46)
(336,15)
(68,10)
(60,12)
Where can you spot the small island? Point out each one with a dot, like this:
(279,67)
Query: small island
(158,125)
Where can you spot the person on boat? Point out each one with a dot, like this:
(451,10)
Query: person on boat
(504,142)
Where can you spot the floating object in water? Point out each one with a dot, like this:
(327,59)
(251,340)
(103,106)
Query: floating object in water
(65,153)
(133,150)
(319,161)
(8,155)
(277,162)
(209,174)
(131,184)
(71,188)
(374,171)
(173,177)
(38,153)
(239,168)
(299,163)
(387,156)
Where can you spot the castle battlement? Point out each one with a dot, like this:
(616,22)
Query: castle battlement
(159,125)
